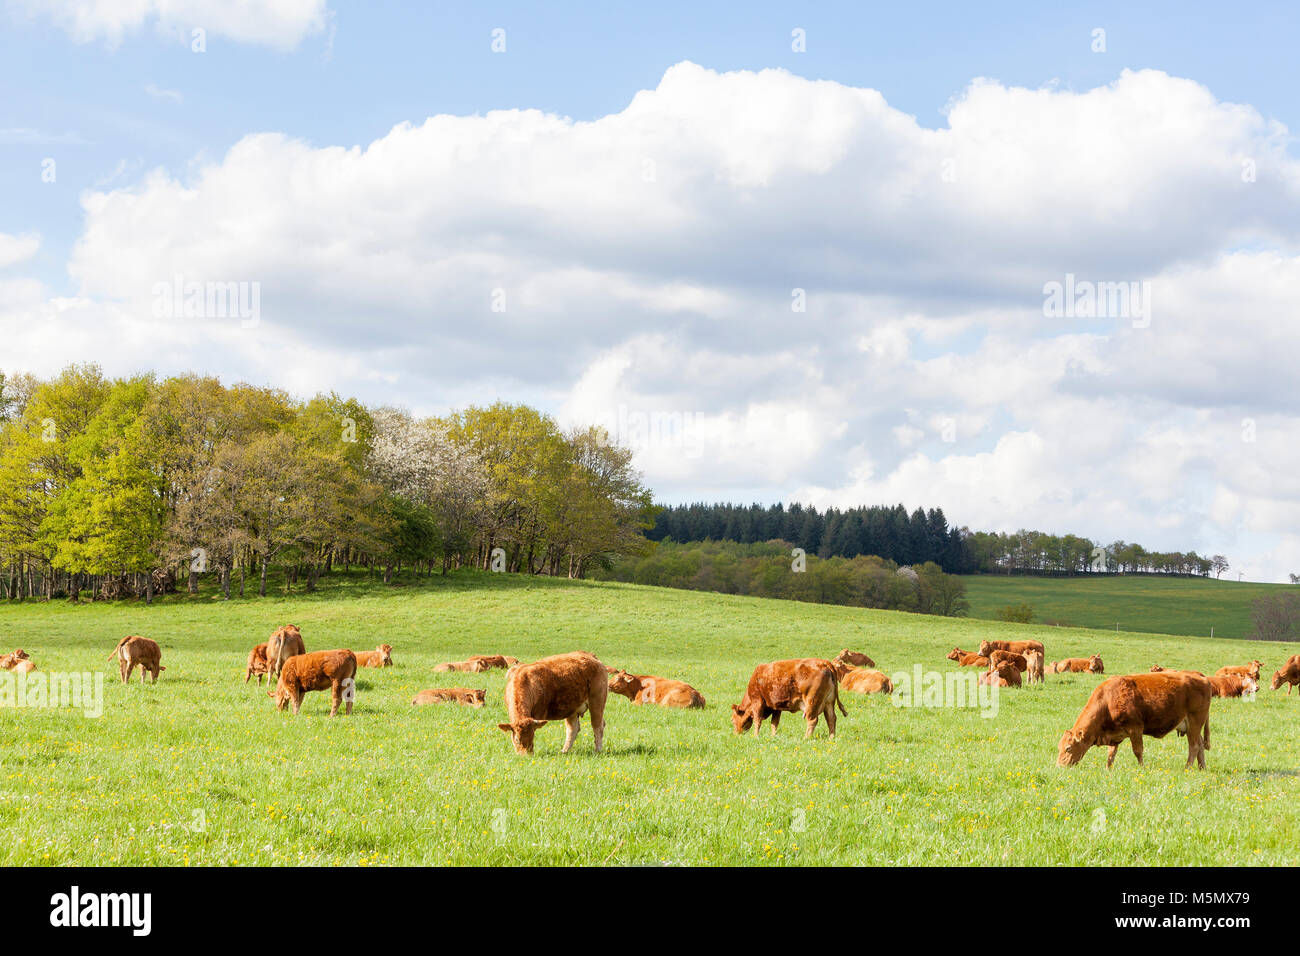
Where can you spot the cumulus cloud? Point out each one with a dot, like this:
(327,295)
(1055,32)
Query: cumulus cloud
(15,249)
(777,287)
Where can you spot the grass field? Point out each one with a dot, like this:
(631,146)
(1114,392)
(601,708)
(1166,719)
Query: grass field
(201,769)
(1135,602)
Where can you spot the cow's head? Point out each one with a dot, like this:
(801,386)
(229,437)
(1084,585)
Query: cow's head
(985,648)
(1156,668)
(280,692)
(1254,668)
(478,697)
(621,682)
(22,655)
(386,655)
(1071,749)
(521,733)
(1277,679)
(1095,665)
(954,654)
(1249,685)
(742,716)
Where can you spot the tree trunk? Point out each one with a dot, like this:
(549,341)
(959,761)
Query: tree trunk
(262,590)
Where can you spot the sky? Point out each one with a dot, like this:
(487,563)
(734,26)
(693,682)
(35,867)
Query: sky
(1037,267)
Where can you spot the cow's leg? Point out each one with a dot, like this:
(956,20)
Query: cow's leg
(296,700)
(597,713)
(776,720)
(830,718)
(121,669)
(1135,739)
(336,696)
(809,723)
(156,670)
(1110,755)
(572,727)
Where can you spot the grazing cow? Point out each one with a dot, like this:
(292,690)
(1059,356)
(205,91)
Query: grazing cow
(282,645)
(1001,674)
(563,687)
(382,656)
(134,650)
(861,680)
(495,660)
(1137,704)
(1289,674)
(967,659)
(855,658)
(1232,685)
(1019,660)
(451,695)
(1077,665)
(645,689)
(318,670)
(810,685)
(1250,670)
(257,664)
(467,667)
(1033,667)
(1016,647)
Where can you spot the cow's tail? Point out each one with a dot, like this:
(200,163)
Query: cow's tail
(1205,731)
(835,683)
(119,647)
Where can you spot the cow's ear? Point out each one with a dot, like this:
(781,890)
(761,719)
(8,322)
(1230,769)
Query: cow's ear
(506,727)
(537,723)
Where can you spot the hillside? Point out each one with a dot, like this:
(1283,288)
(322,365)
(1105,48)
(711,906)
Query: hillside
(201,770)
(1158,605)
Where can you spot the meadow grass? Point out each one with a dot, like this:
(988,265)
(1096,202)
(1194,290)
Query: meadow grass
(1137,602)
(202,770)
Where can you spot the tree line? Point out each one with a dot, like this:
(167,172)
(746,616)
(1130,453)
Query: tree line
(772,569)
(894,534)
(127,486)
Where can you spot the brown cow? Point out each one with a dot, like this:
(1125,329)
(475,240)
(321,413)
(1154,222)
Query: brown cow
(14,659)
(1137,704)
(282,645)
(1156,668)
(467,667)
(257,664)
(1078,665)
(1033,667)
(862,680)
(856,658)
(382,656)
(457,695)
(810,685)
(1016,647)
(27,665)
(1019,660)
(562,687)
(318,670)
(1001,674)
(134,650)
(647,689)
(495,660)
(967,659)
(1232,685)
(1250,670)
(1289,674)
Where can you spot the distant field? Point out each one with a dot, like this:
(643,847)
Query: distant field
(201,770)
(1137,603)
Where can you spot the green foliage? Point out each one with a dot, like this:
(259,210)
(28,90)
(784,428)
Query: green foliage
(1020,613)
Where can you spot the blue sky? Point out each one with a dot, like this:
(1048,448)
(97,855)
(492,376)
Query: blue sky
(920,173)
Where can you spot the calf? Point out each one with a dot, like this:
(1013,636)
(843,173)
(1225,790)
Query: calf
(1016,647)
(1019,660)
(1138,704)
(645,689)
(467,667)
(861,680)
(18,660)
(1077,665)
(563,687)
(257,664)
(283,644)
(134,650)
(1033,667)
(456,695)
(318,670)
(809,685)
(1232,685)
(1289,674)
(495,660)
(967,659)
(1001,674)
(382,656)
(855,658)
(1250,670)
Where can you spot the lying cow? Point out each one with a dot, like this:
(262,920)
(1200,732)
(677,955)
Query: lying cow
(1138,704)
(1289,674)
(855,658)
(318,670)
(1033,667)
(134,650)
(1077,665)
(862,680)
(1232,685)
(382,656)
(967,659)
(490,661)
(283,644)
(1016,647)
(1250,670)
(646,689)
(19,661)
(809,685)
(1001,674)
(257,664)
(563,687)
(466,667)
(1020,662)
(451,695)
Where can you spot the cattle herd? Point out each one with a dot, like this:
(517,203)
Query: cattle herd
(567,686)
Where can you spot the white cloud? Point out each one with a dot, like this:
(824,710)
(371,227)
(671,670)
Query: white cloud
(158,93)
(14,249)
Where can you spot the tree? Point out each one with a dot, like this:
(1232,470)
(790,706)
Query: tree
(1220,564)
